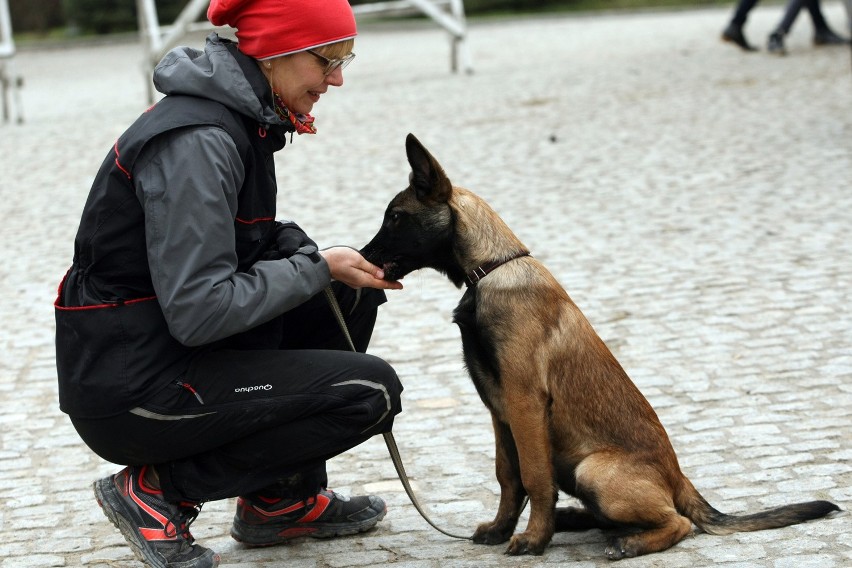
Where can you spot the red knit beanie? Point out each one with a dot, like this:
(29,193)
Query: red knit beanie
(269,28)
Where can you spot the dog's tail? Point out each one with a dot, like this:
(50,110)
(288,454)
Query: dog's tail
(692,505)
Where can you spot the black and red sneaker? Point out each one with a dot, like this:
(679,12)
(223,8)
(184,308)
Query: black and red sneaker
(265,522)
(158,531)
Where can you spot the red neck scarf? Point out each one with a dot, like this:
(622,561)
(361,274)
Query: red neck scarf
(304,123)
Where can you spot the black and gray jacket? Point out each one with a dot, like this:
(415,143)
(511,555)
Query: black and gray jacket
(172,252)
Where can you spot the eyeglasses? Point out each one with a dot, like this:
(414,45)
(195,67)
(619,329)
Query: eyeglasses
(332,64)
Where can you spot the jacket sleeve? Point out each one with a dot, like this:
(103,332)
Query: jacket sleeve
(187,182)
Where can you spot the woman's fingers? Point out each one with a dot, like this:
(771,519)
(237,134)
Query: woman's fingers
(348,266)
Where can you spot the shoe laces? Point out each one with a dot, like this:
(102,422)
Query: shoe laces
(179,521)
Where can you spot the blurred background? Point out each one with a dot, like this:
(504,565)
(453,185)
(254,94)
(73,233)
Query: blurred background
(39,19)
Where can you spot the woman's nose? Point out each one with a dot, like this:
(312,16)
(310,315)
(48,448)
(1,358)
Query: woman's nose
(335,78)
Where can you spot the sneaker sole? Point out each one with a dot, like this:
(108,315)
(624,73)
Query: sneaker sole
(112,506)
(261,536)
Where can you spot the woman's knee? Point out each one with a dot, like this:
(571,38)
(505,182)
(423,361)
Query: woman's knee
(376,385)
(386,374)
(380,371)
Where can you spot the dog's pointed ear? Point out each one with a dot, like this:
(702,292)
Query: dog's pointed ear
(427,178)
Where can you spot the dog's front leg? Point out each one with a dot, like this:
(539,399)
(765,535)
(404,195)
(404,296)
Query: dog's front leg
(512,491)
(528,421)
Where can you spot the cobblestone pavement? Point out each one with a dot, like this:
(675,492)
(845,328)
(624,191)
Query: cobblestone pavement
(693,199)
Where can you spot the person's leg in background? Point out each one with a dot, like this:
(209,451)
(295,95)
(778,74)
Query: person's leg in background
(734,32)
(848,4)
(823,34)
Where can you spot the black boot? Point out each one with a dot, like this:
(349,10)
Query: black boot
(734,34)
(827,37)
(775,44)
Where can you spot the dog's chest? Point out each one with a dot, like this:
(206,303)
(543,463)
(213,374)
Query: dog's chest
(480,351)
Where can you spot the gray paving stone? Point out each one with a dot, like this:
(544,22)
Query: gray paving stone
(693,199)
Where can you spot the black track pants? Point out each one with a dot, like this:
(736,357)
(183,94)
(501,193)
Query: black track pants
(248,417)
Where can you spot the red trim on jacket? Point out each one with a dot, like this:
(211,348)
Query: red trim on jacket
(117,156)
(253,221)
(95,306)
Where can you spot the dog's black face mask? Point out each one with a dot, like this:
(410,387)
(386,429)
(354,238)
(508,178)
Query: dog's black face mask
(418,227)
(411,238)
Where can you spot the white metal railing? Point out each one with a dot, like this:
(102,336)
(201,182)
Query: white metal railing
(157,40)
(10,81)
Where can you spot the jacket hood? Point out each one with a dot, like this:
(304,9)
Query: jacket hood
(220,73)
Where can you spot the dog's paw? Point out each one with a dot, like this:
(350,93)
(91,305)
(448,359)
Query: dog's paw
(490,533)
(525,543)
(619,548)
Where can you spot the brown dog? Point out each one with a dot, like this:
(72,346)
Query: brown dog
(565,414)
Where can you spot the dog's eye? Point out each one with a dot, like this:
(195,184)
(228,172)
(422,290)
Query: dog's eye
(395,217)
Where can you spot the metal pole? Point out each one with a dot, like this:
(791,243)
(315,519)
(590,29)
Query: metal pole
(9,79)
(182,23)
(7,44)
(461,54)
(149,36)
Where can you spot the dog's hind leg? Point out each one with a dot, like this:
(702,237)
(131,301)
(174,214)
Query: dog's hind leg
(634,496)
(512,491)
(673,529)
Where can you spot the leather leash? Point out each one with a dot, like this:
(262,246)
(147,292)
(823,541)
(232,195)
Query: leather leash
(390,441)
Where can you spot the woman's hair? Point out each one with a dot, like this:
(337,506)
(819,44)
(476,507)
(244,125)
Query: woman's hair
(336,50)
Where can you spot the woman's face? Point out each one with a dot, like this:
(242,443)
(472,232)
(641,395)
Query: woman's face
(299,80)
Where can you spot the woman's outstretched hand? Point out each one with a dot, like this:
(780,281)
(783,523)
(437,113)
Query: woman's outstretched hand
(348,266)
